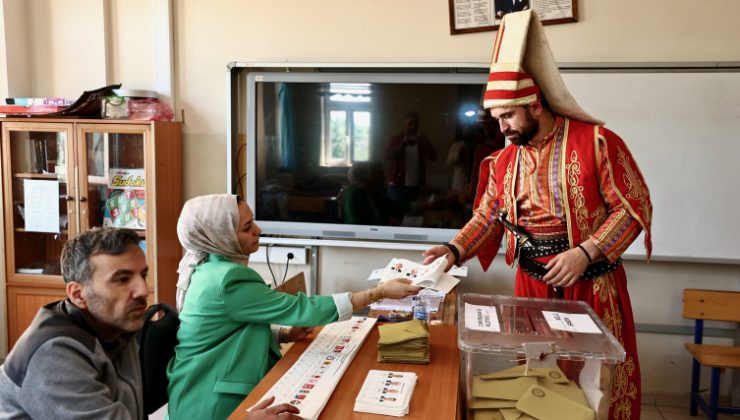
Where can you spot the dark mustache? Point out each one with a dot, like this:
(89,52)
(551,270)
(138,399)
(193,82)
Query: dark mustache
(137,304)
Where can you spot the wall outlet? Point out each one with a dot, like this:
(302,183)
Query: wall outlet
(279,255)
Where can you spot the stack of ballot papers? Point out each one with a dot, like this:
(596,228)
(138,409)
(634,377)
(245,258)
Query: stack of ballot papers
(521,393)
(404,342)
(431,297)
(387,393)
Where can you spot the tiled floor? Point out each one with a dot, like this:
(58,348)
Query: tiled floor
(654,412)
(662,407)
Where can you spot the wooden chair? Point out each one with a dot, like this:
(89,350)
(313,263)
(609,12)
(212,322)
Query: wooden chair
(712,305)
(293,285)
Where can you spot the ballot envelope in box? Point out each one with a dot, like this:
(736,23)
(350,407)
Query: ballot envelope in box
(547,358)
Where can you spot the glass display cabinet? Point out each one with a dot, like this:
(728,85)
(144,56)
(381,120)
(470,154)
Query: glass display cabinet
(62,177)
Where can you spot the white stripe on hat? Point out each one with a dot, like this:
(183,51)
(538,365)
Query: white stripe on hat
(496,103)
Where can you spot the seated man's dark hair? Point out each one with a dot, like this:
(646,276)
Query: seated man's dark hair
(77,251)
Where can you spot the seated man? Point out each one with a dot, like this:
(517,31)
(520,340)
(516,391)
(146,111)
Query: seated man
(79,357)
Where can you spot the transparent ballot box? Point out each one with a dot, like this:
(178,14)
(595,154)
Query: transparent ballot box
(546,358)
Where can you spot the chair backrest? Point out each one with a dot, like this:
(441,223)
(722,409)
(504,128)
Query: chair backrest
(295,284)
(713,305)
(157,341)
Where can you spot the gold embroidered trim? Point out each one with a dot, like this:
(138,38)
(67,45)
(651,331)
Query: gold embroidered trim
(624,201)
(624,390)
(575,191)
(637,191)
(624,385)
(561,185)
(509,203)
(598,216)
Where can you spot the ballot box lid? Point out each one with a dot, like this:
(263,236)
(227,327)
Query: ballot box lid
(502,324)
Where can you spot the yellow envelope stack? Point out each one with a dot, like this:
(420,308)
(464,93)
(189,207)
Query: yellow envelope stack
(519,393)
(404,342)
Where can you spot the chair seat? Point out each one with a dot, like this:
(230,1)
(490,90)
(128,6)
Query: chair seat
(715,356)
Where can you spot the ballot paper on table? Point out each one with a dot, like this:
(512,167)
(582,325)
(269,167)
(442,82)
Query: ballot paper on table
(387,393)
(431,276)
(433,299)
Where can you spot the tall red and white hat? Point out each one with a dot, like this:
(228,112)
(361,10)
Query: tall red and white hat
(523,69)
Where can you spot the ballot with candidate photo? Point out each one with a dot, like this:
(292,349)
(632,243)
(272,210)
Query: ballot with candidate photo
(431,276)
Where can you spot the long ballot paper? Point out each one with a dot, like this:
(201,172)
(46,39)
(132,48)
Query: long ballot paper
(308,384)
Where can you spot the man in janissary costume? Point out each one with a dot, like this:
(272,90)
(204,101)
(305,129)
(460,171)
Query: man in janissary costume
(567,184)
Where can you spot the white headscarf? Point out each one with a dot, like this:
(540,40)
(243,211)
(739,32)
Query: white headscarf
(208,225)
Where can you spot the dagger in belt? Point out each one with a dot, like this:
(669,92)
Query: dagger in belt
(522,239)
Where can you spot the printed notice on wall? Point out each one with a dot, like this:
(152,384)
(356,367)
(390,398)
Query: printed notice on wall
(41,205)
(481,318)
(580,323)
(473,13)
(486,15)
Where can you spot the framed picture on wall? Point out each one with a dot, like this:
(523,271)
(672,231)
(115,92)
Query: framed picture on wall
(468,16)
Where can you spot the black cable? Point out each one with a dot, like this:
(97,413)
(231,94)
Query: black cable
(287,264)
(239,177)
(267,256)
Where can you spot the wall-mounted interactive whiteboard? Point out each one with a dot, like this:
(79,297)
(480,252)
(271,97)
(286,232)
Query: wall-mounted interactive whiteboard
(681,123)
(683,128)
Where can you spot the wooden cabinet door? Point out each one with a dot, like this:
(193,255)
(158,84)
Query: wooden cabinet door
(39,193)
(115,173)
(23,305)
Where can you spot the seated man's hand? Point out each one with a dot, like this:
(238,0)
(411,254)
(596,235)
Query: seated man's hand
(296,333)
(262,411)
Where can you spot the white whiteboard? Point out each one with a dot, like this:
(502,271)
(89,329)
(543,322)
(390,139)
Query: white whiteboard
(683,129)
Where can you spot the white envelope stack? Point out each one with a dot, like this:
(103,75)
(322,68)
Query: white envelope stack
(387,393)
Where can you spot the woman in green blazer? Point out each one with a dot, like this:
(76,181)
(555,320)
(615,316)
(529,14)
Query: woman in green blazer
(225,341)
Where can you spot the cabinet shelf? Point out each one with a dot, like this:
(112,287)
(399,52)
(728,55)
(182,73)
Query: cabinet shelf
(23,230)
(29,175)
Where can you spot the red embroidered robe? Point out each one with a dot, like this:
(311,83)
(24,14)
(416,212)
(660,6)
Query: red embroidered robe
(586,168)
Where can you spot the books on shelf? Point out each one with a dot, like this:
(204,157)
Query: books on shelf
(87,105)
(33,105)
(38,101)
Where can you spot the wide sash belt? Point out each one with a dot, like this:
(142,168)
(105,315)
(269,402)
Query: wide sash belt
(547,247)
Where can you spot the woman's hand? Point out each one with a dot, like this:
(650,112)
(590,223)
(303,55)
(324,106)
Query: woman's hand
(398,288)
